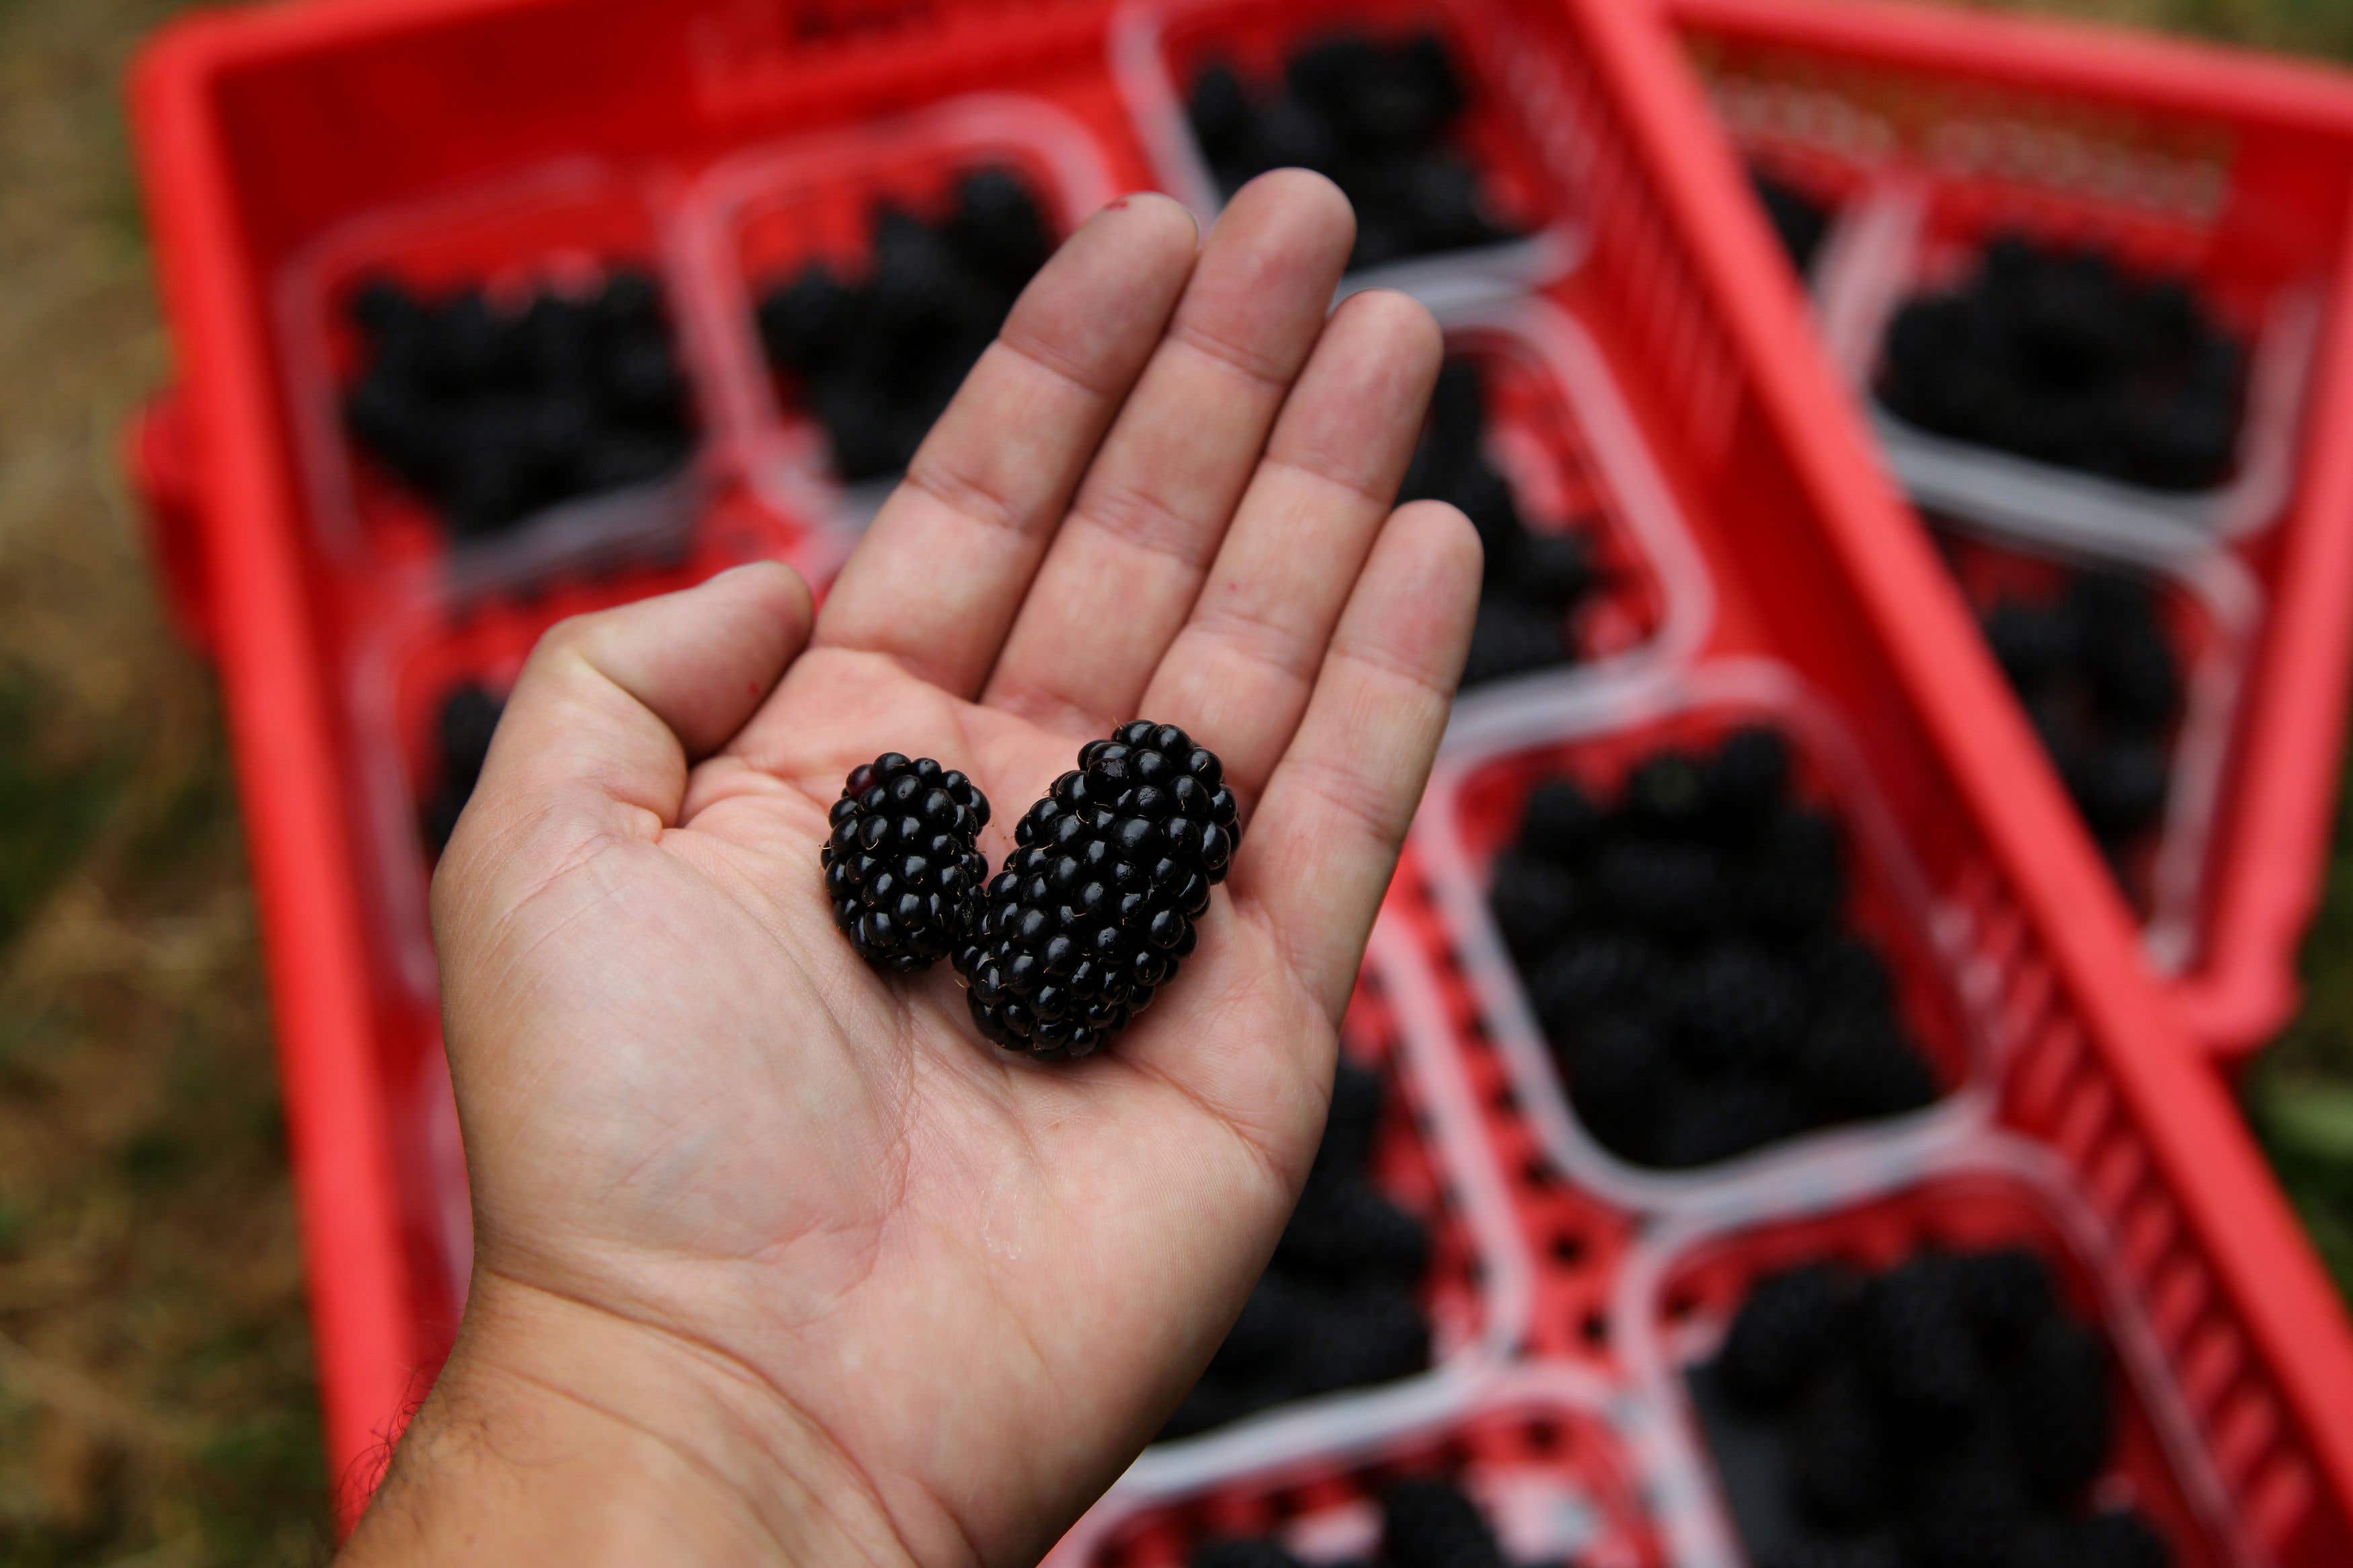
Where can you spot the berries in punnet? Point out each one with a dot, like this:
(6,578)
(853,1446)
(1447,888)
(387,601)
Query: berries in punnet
(903,867)
(1094,910)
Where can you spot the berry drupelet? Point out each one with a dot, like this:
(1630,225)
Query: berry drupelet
(903,867)
(1094,910)
(468,717)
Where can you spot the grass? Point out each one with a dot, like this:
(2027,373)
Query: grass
(156,1400)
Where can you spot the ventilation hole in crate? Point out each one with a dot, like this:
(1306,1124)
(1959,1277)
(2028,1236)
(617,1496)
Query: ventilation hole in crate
(1506,1101)
(1548,1436)
(1568,1247)
(1681,1305)
(1595,1328)
(1475,1270)
(1111,1555)
(1537,1172)
(1286,1503)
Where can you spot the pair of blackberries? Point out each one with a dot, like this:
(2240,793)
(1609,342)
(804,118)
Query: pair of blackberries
(1801,222)
(1094,910)
(1338,1308)
(1425,1523)
(494,412)
(2059,354)
(875,358)
(1947,1412)
(2095,666)
(1379,117)
(468,717)
(1537,581)
(1687,952)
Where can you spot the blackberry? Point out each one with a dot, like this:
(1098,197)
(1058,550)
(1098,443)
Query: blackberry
(2118,1538)
(1846,972)
(999,231)
(1431,1524)
(1363,1337)
(1841,1552)
(1094,910)
(1968,1511)
(1793,883)
(1841,1469)
(1738,1007)
(1560,821)
(1790,1323)
(2033,643)
(2008,1294)
(903,866)
(1669,887)
(1621,1079)
(1279,1317)
(1344,1229)
(1748,777)
(1590,971)
(1917,1343)
(1243,1554)
(1509,639)
(1856,1063)
(1667,791)
(468,721)
(1715,1119)
(1213,1402)
(1799,222)
(1535,903)
(2057,1397)
(1358,1096)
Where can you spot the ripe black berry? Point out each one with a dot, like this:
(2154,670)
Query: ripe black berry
(1788,1326)
(468,717)
(2058,1400)
(903,866)
(1243,1554)
(1094,910)
(1431,1524)
(1802,222)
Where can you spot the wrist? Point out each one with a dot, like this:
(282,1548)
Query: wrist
(561,1432)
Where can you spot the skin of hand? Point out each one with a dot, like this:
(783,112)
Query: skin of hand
(777,1261)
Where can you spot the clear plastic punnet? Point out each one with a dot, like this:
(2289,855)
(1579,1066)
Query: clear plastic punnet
(1904,247)
(1679,1289)
(764,213)
(563,228)
(1594,737)
(1157,44)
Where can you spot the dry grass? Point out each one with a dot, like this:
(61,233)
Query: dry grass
(156,1391)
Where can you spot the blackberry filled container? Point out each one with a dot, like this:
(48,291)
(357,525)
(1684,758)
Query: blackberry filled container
(1502,232)
(1598,742)
(1678,1294)
(764,218)
(514,268)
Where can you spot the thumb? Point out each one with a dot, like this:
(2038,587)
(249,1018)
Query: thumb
(613,708)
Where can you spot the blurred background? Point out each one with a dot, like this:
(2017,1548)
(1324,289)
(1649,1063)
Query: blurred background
(156,1399)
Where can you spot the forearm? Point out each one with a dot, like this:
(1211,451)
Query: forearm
(561,1435)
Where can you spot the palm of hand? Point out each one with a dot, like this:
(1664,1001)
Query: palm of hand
(687,1102)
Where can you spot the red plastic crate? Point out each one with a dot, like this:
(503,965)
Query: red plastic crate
(2234,168)
(264,131)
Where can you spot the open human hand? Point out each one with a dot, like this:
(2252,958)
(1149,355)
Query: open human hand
(776,1232)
